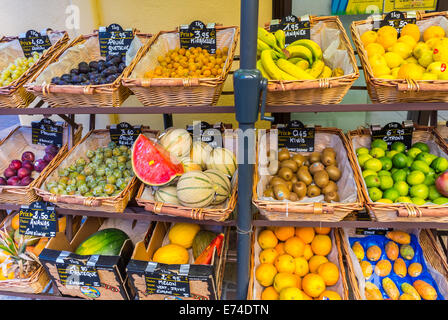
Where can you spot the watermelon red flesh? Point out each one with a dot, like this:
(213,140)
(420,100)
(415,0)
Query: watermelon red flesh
(152,163)
(106,242)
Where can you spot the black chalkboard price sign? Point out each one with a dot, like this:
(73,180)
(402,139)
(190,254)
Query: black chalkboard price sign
(46,132)
(114,40)
(75,272)
(397,19)
(296,137)
(203,131)
(39,219)
(372,231)
(124,134)
(393,132)
(166,283)
(197,34)
(33,41)
(294,28)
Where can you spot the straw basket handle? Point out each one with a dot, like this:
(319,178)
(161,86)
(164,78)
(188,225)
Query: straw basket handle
(303,85)
(176,82)
(415,212)
(64,89)
(421,86)
(158,208)
(88,202)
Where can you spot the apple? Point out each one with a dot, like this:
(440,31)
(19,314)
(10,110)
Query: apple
(442,184)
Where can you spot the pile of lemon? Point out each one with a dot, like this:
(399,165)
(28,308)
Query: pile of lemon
(189,63)
(293,264)
(413,55)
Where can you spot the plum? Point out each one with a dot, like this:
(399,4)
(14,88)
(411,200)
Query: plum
(28,155)
(52,149)
(26,181)
(48,157)
(15,164)
(8,173)
(28,164)
(40,165)
(2,181)
(23,172)
(13,181)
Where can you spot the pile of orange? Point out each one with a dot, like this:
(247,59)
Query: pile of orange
(293,264)
(189,63)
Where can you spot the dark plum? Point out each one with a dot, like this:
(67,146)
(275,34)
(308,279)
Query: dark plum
(8,173)
(48,157)
(66,77)
(111,78)
(74,72)
(76,79)
(13,181)
(28,155)
(40,165)
(123,58)
(52,149)
(3,181)
(15,164)
(25,181)
(23,172)
(28,164)
(101,65)
(93,65)
(121,67)
(55,80)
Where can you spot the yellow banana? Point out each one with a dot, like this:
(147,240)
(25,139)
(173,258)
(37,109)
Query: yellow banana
(295,60)
(263,72)
(326,73)
(280,36)
(269,65)
(293,70)
(286,76)
(268,38)
(261,45)
(338,72)
(310,44)
(303,64)
(316,68)
(300,52)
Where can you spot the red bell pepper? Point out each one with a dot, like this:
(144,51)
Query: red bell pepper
(206,256)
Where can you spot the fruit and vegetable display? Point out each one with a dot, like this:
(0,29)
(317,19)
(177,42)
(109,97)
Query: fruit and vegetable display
(394,267)
(15,69)
(188,243)
(103,172)
(183,172)
(300,60)
(106,242)
(95,72)
(294,264)
(297,176)
(189,63)
(394,175)
(412,55)
(22,172)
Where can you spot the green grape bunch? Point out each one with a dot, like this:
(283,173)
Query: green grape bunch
(15,69)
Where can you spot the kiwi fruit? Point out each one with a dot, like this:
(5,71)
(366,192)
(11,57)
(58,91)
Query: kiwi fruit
(300,189)
(276,180)
(331,186)
(330,151)
(315,157)
(331,196)
(269,193)
(321,178)
(273,167)
(333,172)
(316,166)
(307,161)
(291,164)
(293,196)
(283,154)
(299,159)
(281,192)
(304,175)
(328,159)
(285,173)
(313,191)
(294,179)
(289,185)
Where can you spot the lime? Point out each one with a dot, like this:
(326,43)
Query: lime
(363,158)
(379,143)
(373,164)
(386,182)
(362,150)
(375,194)
(415,177)
(377,152)
(433,193)
(372,181)
(430,178)
(400,161)
(391,153)
(384,173)
(439,164)
(403,200)
(367,173)
(418,201)
(393,170)
(419,191)
(386,162)
(427,157)
(399,175)
(422,146)
(383,200)
(409,161)
(440,200)
(420,165)
(398,146)
(391,194)
(413,152)
(402,187)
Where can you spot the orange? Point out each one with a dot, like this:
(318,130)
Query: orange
(412,30)
(305,296)
(368,37)
(265,274)
(267,239)
(387,36)
(291,293)
(410,71)
(329,272)
(321,245)
(269,293)
(408,40)
(295,246)
(322,230)
(305,233)
(315,262)
(284,233)
(285,280)
(433,32)
(308,252)
(285,263)
(313,285)
(329,295)
(299,283)
(15,222)
(302,267)
(280,248)
(268,255)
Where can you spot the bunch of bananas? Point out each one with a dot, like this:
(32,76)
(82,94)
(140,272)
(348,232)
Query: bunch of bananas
(301,60)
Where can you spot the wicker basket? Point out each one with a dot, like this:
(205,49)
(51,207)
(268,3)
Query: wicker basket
(320,91)
(18,141)
(396,91)
(180,91)
(93,140)
(15,95)
(311,211)
(336,256)
(104,95)
(405,212)
(431,249)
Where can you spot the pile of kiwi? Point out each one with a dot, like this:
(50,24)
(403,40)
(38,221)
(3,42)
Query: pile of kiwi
(296,176)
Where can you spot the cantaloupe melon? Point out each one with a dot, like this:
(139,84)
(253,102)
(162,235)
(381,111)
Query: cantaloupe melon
(200,152)
(190,165)
(177,141)
(166,195)
(223,160)
(221,183)
(195,190)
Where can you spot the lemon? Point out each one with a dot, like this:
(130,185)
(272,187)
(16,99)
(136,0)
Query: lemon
(402,49)
(433,32)
(432,43)
(438,68)
(411,30)
(440,53)
(379,66)
(420,48)
(265,274)
(410,71)
(411,60)
(291,293)
(429,76)
(393,59)
(394,72)
(408,40)
(368,37)
(374,49)
(426,59)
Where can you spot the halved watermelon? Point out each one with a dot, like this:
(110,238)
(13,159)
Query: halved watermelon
(152,163)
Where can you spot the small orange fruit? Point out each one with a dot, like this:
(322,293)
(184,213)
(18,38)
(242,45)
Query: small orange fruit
(269,293)
(367,268)
(280,248)
(15,222)
(329,272)
(315,262)
(412,30)
(284,233)
(308,252)
(291,293)
(306,234)
(322,230)
(373,253)
(268,255)
(267,239)
(285,263)
(295,246)
(415,269)
(383,268)
(329,295)
(321,245)
(284,280)
(302,267)
(313,285)
(433,32)
(265,274)
(368,37)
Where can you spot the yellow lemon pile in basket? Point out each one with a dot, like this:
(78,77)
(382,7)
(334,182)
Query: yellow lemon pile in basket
(412,55)
(300,60)
(294,264)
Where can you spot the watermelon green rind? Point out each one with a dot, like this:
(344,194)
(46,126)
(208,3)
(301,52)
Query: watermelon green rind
(107,242)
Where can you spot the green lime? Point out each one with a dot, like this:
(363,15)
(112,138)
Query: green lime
(372,181)
(391,194)
(383,200)
(418,201)
(398,146)
(400,161)
(393,170)
(379,143)
(425,156)
(439,164)
(415,177)
(440,200)
(413,152)
(399,175)
(367,173)
(377,152)
(375,194)
(420,165)
(386,182)
(422,146)
(403,200)
(409,161)
(362,150)
(430,178)
(373,164)
(419,191)
(386,162)
(384,173)
(363,158)
(391,153)
(402,187)
(433,193)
